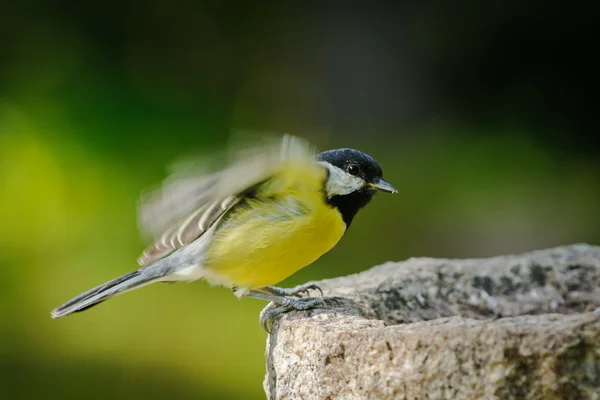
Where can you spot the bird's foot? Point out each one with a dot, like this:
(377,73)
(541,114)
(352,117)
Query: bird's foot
(281,301)
(274,309)
(297,291)
(269,313)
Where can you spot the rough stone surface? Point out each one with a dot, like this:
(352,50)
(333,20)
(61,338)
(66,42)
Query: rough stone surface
(512,327)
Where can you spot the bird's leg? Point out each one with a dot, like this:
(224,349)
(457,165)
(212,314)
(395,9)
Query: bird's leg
(282,304)
(295,291)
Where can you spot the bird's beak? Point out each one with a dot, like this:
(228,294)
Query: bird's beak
(382,186)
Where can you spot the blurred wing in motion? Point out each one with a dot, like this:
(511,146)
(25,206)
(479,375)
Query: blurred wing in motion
(193,198)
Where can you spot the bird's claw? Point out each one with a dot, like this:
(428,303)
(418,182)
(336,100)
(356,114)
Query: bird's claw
(305,289)
(274,310)
(267,314)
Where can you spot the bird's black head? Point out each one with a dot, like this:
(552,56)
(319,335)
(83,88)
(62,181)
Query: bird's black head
(353,179)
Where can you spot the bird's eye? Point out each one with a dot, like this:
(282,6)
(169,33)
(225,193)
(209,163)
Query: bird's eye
(353,169)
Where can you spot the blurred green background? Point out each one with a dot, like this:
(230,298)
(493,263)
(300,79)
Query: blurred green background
(482,114)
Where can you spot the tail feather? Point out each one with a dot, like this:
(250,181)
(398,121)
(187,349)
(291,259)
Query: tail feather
(103,292)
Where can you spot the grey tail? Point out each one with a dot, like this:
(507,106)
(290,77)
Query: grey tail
(103,292)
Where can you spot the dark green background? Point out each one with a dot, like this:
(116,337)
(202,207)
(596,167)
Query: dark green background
(484,115)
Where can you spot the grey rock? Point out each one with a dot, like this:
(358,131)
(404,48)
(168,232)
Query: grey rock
(510,327)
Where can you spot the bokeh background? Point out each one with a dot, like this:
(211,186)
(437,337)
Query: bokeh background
(483,114)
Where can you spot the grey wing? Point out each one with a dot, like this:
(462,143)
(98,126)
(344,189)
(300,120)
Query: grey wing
(189,203)
(190,229)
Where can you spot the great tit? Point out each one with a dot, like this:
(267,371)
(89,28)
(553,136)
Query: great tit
(271,211)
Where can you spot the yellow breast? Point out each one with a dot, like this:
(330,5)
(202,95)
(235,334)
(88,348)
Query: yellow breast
(284,228)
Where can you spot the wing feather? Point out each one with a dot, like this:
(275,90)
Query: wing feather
(190,202)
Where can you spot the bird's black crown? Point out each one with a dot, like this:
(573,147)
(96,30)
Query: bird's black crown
(354,162)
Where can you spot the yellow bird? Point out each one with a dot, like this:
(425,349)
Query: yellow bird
(274,210)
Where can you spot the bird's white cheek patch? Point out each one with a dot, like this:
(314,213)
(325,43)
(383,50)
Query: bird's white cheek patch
(340,183)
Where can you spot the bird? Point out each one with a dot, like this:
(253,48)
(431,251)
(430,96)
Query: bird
(274,208)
